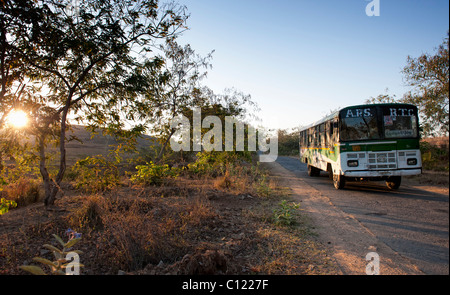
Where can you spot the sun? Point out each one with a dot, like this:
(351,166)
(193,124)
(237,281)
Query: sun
(17,119)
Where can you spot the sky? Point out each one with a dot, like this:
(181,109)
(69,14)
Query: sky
(301,59)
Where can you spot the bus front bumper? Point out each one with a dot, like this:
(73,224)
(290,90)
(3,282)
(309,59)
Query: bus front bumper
(383,173)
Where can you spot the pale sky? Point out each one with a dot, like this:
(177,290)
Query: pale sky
(300,59)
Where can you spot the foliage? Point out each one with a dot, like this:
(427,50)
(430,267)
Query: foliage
(263,187)
(152,173)
(88,63)
(61,262)
(215,163)
(5,205)
(23,191)
(96,173)
(288,143)
(16,161)
(429,77)
(433,157)
(382,98)
(173,89)
(285,214)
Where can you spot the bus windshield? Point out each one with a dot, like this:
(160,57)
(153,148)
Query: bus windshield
(397,121)
(359,124)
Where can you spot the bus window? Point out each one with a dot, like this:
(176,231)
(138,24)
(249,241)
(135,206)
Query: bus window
(359,124)
(329,133)
(399,122)
(322,139)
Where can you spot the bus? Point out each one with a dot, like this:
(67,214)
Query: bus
(364,142)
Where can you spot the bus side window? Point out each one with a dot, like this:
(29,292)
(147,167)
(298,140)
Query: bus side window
(316,136)
(322,136)
(335,131)
(329,132)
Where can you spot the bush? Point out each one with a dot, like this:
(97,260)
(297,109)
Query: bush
(95,174)
(5,205)
(288,143)
(216,163)
(152,173)
(89,215)
(285,214)
(23,192)
(434,157)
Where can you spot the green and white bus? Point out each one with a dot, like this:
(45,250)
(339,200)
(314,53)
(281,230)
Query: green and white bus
(364,142)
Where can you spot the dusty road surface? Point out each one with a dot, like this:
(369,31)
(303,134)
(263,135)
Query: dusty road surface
(408,229)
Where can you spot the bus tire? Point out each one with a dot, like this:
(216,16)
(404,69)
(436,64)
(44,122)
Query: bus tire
(338,181)
(394,182)
(330,171)
(313,171)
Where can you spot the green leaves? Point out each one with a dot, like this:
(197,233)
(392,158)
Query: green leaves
(429,77)
(285,214)
(35,270)
(58,238)
(62,257)
(5,205)
(153,173)
(71,243)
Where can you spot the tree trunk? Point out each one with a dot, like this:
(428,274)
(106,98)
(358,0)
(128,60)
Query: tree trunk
(50,191)
(52,186)
(163,148)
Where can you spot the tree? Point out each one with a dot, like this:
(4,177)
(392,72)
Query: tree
(382,98)
(429,77)
(87,61)
(175,89)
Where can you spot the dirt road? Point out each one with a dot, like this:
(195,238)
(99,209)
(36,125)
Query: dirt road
(407,229)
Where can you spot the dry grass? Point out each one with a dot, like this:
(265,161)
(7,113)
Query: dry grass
(192,225)
(24,192)
(441,142)
(134,232)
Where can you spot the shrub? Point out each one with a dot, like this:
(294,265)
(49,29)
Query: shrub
(262,186)
(216,163)
(285,214)
(434,157)
(152,173)
(95,174)
(89,215)
(5,205)
(62,257)
(23,192)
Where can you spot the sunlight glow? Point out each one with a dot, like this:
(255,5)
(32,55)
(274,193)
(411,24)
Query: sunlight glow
(17,119)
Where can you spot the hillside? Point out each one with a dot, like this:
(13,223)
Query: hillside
(89,145)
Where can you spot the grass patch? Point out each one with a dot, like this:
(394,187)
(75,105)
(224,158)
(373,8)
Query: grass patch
(24,192)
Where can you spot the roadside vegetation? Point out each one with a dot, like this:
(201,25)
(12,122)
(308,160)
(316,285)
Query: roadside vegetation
(200,213)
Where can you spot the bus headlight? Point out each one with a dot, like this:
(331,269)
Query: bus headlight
(352,163)
(412,161)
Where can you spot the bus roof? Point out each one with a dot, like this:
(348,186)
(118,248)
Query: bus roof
(335,114)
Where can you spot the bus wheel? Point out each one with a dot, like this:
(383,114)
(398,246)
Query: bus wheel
(313,171)
(330,172)
(338,181)
(394,182)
